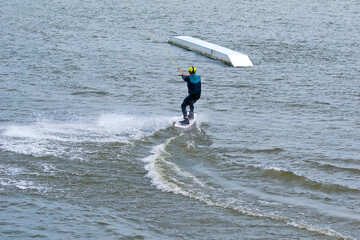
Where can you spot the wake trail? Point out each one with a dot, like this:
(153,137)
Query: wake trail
(169,177)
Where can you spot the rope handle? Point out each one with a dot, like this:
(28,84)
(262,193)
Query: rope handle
(181,71)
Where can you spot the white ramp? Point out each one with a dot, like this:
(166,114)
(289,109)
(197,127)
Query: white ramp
(226,55)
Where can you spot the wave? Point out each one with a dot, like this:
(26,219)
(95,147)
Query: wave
(101,93)
(284,174)
(332,167)
(266,150)
(338,164)
(168,177)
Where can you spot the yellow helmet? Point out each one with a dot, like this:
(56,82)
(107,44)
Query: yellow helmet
(192,69)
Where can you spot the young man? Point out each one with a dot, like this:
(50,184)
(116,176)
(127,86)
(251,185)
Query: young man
(194,90)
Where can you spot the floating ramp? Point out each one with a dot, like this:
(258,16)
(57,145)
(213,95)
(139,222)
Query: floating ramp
(226,55)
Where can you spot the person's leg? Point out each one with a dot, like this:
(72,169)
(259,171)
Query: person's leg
(194,98)
(191,113)
(191,108)
(187,101)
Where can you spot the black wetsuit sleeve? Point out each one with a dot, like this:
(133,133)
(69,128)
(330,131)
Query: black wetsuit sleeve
(186,78)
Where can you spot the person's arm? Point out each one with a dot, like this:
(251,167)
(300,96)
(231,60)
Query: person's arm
(185,77)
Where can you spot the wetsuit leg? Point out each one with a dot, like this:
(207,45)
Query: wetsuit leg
(187,101)
(194,98)
(192,107)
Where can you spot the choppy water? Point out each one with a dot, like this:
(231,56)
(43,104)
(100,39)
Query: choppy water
(88,99)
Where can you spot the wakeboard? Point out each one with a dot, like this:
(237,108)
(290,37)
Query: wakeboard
(185,126)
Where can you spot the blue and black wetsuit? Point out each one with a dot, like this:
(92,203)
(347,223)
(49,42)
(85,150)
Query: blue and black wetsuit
(194,90)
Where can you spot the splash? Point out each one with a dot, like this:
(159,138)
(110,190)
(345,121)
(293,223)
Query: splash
(69,138)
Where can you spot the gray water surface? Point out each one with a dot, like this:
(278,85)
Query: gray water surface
(89,98)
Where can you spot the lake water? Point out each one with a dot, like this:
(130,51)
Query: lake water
(89,98)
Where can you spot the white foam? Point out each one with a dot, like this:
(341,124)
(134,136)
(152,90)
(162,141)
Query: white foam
(5,170)
(9,174)
(21,185)
(48,168)
(155,171)
(263,167)
(156,164)
(278,169)
(190,145)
